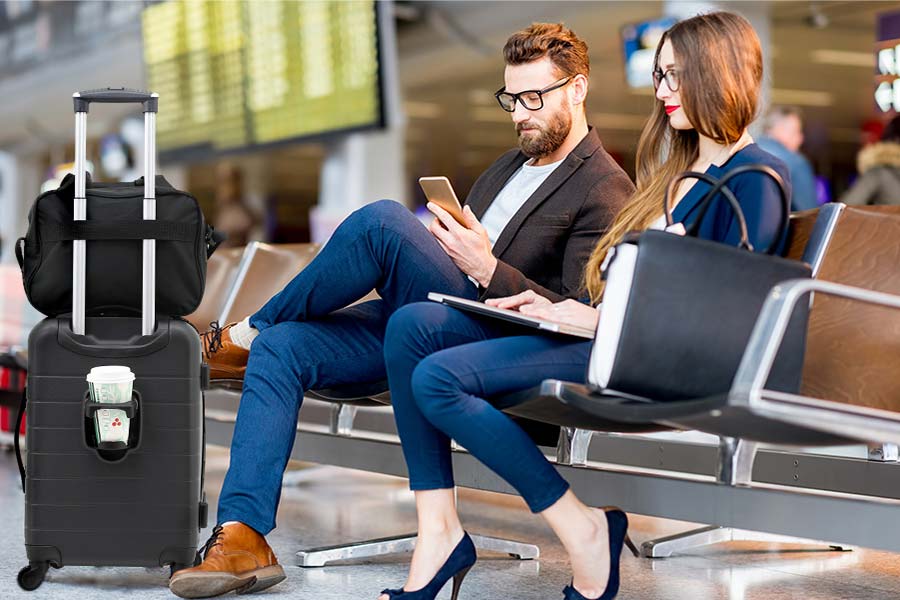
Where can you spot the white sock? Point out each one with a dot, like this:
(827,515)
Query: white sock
(243,334)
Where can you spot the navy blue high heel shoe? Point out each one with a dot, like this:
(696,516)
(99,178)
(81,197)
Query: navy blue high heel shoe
(618,536)
(457,567)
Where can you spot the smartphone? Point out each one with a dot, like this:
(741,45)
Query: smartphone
(439,191)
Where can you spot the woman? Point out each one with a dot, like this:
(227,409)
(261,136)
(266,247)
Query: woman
(879,170)
(442,363)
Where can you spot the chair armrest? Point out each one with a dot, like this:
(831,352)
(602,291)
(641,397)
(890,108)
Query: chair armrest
(860,423)
(232,292)
(768,333)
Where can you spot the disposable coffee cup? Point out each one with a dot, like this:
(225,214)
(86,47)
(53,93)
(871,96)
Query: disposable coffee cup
(111,384)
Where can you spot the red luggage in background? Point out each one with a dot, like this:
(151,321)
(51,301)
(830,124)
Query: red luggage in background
(12,382)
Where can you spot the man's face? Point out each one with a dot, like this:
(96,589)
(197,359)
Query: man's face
(789,131)
(541,132)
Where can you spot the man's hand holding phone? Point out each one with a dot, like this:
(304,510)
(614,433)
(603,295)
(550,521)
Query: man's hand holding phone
(467,246)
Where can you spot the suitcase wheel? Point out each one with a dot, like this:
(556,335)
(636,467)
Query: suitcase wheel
(174,567)
(31,577)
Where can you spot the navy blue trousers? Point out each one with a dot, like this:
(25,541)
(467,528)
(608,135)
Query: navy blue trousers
(308,339)
(444,366)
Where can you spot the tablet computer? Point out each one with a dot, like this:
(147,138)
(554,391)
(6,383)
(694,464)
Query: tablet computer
(511,316)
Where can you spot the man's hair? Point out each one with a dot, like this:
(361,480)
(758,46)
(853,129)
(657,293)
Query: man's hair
(777,113)
(567,51)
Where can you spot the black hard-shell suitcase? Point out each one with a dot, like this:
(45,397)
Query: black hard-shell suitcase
(139,503)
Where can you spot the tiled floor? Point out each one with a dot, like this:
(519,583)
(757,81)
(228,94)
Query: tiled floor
(331,505)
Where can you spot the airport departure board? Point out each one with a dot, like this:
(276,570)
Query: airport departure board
(233,73)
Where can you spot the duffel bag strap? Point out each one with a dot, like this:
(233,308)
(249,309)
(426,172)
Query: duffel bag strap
(16,434)
(20,254)
(118,230)
(213,240)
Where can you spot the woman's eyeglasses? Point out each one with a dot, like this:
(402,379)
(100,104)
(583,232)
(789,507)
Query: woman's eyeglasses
(530,99)
(671,77)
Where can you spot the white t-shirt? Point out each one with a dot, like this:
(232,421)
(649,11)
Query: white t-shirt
(517,190)
(660,223)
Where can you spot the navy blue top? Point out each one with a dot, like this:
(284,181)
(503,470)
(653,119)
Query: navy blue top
(757,194)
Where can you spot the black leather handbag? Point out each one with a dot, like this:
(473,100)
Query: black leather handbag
(678,311)
(113,230)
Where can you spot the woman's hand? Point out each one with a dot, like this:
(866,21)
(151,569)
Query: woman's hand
(567,312)
(526,298)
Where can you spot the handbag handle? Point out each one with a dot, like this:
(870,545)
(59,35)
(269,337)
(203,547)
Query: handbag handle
(756,168)
(716,188)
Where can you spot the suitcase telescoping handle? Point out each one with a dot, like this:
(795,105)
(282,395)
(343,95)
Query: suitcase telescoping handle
(82,101)
(115,96)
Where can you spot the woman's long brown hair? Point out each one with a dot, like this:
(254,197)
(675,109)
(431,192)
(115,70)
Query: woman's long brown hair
(720,72)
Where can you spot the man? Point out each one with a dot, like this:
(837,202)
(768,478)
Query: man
(783,138)
(531,221)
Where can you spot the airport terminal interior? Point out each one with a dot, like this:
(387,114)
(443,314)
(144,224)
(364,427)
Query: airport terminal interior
(279,118)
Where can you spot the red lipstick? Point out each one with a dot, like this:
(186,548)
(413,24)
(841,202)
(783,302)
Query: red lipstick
(670,108)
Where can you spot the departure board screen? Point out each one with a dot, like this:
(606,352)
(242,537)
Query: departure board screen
(232,74)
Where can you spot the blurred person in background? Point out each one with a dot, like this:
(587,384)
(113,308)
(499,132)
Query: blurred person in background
(783,138)
(879,170)
(233,217)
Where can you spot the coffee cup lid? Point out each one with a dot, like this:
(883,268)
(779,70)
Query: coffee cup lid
(110,374)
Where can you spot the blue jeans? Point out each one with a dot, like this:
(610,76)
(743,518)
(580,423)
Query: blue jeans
(444,366)
(308,339)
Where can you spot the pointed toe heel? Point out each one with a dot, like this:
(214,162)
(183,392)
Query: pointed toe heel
(456,568)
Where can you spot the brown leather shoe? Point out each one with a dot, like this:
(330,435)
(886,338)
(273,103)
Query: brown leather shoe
(226,359)
(236,558)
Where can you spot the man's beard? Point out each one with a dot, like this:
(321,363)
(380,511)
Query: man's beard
(549,138)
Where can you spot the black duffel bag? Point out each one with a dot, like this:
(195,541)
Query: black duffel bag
(114,228)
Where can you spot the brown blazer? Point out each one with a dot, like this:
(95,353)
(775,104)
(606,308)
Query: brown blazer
(548,241)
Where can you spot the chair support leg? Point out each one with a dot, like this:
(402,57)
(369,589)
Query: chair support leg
(319,557)
(342,417)
(884,452)
(573,445)
(666,546)
(706,536)
(736,458)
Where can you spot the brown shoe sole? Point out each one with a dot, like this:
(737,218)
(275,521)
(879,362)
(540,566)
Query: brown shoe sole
(209,584)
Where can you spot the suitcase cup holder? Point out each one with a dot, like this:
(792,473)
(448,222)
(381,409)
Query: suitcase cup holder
(112,451)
